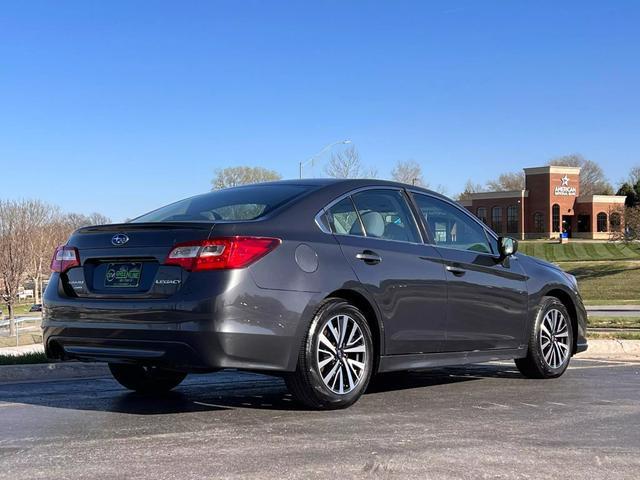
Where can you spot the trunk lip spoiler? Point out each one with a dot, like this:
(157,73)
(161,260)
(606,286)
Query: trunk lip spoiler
(132,227)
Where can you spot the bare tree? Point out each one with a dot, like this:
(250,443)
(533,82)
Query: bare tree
(629,231)
(634,176)
(14,252)
(370,172)
(469,189)
(507,182)
(592,178)
(441,189)
(345,164)
(235,176)
(40,239)
(410,172)
(98,219)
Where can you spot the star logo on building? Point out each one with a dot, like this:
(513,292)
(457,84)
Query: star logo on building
(565,181)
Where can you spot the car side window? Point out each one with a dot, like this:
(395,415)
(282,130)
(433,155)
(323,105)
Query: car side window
(343,218)
(386,214)
(450,226)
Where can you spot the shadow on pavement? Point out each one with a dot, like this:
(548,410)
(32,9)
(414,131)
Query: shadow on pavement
(219,391)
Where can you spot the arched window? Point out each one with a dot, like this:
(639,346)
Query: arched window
(602,222)
(512,219)
(496,219)
(538,222)
(482,214)
(555,218)
(615,222)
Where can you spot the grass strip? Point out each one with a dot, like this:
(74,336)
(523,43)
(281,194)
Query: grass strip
(613,322)
(614,336)
(24,359)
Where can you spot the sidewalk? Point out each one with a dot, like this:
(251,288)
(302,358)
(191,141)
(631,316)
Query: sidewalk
(36,347)
(621,350)
(616,308)
(613,310)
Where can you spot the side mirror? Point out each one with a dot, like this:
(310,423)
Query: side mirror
(507,246)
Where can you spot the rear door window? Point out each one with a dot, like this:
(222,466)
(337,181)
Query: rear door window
(386,214)
(343,218)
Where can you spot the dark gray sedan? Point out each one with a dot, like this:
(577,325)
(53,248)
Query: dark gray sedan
(325,282)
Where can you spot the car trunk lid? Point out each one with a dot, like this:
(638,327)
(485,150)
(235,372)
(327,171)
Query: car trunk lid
(127,260)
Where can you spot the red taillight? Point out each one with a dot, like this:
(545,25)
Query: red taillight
(220,253)
(65,258)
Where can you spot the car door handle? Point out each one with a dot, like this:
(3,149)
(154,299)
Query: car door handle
(457,271)
(369,257)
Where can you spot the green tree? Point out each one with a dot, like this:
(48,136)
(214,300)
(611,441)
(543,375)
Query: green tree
(632,192)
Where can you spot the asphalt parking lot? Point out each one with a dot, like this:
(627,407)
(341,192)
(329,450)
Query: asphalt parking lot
(483,421)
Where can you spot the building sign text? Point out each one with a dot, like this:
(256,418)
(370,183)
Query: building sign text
(564,189)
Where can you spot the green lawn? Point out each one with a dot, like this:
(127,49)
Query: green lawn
(614,335)
(614,322)
(24,359)
(19,309)
(578,251)
(604,283)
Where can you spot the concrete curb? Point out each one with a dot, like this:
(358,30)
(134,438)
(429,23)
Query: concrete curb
(612,308)
(625,350)
(43,372)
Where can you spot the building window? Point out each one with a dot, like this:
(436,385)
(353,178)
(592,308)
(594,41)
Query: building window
(615,222)
(584,223)
(602,222)
(512,219)
(482,214)
(538,222)
(496,219)
(555,218)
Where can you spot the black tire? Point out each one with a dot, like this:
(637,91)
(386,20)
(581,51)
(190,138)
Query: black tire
(145,379)
(535,365)
(306,384)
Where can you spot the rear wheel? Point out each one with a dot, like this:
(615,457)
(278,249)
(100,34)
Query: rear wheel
(550,342)
(336,358)
(146,379)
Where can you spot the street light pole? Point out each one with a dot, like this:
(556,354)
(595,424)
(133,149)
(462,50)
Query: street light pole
(327,147)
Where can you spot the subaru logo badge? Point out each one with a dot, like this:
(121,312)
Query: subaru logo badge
(119,239)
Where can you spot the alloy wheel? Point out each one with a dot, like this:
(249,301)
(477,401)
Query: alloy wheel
(341,354)
(554,338)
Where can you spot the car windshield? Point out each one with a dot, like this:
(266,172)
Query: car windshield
(231,204)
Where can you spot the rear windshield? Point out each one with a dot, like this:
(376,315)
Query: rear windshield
(231,204)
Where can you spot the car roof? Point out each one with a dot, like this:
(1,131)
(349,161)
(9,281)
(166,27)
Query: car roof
(349,183)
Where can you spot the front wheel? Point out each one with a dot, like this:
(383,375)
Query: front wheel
(336,358)
(550,342)
(146,379)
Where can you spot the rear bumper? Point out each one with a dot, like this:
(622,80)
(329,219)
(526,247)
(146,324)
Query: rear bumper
(241,326)
(173,348)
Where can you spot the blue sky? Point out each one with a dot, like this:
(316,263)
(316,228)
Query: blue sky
(120,107)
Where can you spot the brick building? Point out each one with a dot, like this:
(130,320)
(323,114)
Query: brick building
(549,205)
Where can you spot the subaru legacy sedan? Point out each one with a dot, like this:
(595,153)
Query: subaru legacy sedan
(323,282)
